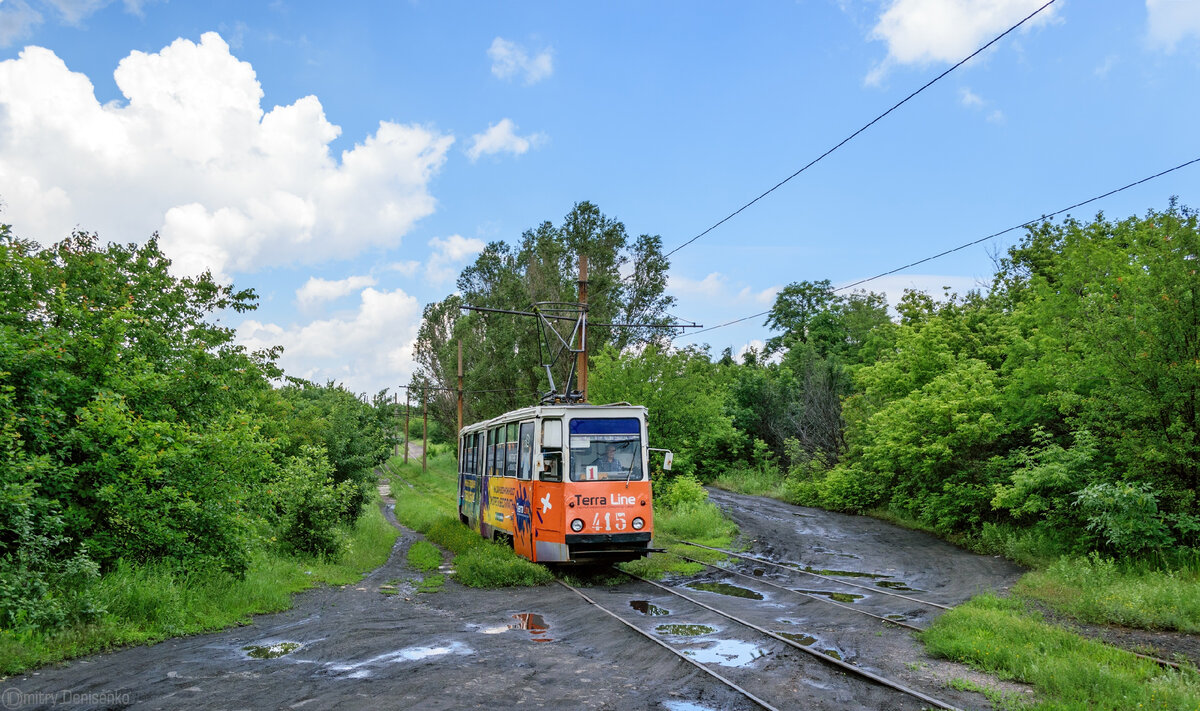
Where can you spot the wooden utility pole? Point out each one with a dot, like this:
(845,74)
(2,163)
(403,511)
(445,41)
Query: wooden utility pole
(581,364)
(407,409)
(424,428)
(460,389)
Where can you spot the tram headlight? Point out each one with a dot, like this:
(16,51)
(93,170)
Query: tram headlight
(577,525)
(638,523)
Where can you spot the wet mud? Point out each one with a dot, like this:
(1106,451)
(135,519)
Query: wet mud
(544,648)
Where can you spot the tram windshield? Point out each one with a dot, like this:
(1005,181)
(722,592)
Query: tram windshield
(606,449)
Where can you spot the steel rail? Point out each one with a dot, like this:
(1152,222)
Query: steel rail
(671,649)
(844,666)
(1139,655)
(881,591)
(818,598)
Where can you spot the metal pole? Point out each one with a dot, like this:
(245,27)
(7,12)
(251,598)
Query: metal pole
(581,363)
(460,388)
(407,409)
(424,428)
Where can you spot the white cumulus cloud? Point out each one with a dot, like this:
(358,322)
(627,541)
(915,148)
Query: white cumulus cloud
(448,254)
(510,60)
(192,154)
(368,350)
(316,290)
(502,138)
(1170,21)
(925,31)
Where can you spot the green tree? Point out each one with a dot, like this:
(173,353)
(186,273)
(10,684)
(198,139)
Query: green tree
(503,353)
(683,391)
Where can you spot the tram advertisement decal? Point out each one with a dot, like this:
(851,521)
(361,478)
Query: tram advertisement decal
(500,502)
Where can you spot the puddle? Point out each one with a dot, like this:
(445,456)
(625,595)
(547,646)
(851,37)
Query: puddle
(838,596)
(897,586)
(832,653)
(648,608)
(726,589)
(759,572)
(898,618)
(798,637)
(686,630)
(271,651)
(684,706)
(534,623)
(727,653)
(360,670)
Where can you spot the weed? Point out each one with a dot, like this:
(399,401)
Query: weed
(1002,636)
(431,584)
(423,555)
(1131,593)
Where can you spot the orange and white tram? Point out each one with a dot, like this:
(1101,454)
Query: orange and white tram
(563,483)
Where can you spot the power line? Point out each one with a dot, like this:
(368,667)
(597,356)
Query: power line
(1056,213)
(872,122)
(843,142)
(1027,223)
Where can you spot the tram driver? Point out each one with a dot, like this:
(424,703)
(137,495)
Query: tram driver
(608,462)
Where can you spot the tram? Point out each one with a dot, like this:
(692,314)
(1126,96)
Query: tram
(563,483)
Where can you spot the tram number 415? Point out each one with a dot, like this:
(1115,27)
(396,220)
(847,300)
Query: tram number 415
(608,523)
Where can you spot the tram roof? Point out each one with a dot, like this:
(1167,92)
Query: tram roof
(556,411)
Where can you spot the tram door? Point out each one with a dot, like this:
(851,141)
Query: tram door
(549,541)
(523,500)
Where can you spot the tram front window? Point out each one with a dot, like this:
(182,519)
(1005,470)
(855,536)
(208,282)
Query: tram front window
(606,449)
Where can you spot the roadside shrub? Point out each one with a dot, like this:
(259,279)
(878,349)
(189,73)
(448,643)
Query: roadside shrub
(312,504)
(1126,516)
(699,521)
(678,490)
(491,565)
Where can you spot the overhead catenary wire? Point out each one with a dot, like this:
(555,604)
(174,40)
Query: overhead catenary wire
(869,124)
(841,143)
(1027,223)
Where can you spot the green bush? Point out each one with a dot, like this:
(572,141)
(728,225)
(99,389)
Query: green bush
(1125,516)
(311,504)
(672,492)
(491,565)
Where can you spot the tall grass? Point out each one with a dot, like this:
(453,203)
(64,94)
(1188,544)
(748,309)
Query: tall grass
(149,603)
(1130,593)
(1071,673)
(755,481)
(429,507)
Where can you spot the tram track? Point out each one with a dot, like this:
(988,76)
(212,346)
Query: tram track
(819,598)
(822,658)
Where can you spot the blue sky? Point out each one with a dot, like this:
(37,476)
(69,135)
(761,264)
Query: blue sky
(347,160)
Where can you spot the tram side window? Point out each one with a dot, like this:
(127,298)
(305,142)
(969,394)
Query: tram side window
(480,452)
(525,463)
(551,450)
(490,464)
(469,454)
(510,451)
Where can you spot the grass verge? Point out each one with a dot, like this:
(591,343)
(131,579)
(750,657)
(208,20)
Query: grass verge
(1133,593)
(429,508)
(424,556)
(150,603)
(1006,638)
(689,520)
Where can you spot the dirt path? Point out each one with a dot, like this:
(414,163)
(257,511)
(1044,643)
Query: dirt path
(380,644)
